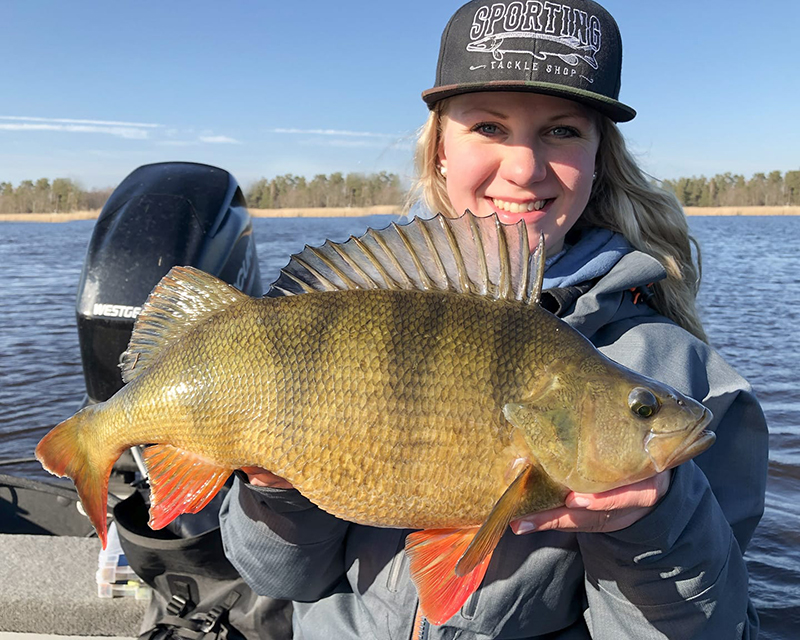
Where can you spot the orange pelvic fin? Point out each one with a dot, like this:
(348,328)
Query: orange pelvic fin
(72,448)
(433,554)
(180,482)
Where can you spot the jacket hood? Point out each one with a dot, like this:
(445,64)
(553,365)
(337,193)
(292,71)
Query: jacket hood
(611,296)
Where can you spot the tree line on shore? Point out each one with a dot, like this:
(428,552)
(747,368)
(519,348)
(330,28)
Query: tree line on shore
(335,190)
(63,195)
(728,190)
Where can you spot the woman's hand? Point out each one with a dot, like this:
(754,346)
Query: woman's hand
(262,478)
(599,512)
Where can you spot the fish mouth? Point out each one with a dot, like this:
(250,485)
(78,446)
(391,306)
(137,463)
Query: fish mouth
(665,453)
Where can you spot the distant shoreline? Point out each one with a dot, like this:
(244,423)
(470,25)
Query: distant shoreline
(49,217)
(742,211)
(329,212)
(351,212)
(321,212)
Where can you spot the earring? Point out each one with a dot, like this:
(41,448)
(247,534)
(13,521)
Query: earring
(594,176)
(443,171)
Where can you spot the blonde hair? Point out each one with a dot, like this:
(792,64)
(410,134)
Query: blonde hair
(622,200)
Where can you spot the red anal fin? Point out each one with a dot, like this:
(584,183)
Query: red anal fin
(180,482)
(493,529)
(433,554)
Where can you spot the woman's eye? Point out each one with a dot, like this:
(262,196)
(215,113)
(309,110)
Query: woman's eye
(486,129)
(564,132)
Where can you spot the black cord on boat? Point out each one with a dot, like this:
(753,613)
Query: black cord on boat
(6,463)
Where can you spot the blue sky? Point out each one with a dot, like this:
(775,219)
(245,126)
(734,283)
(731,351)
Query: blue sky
(90,90)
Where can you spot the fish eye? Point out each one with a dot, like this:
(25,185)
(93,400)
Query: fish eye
(643,402)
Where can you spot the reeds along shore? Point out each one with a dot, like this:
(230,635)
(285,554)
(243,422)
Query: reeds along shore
(742,211)
(322,212)
(355,212)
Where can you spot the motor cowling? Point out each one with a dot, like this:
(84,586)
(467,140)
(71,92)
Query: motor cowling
(160,216)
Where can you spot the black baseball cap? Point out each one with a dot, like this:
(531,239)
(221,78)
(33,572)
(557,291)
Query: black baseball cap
(571,49)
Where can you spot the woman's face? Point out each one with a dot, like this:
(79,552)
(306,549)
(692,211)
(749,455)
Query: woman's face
(523,155)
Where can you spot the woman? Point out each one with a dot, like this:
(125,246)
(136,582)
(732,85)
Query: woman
(522,123)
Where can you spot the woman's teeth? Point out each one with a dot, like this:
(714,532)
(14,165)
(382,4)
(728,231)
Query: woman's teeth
(519,207)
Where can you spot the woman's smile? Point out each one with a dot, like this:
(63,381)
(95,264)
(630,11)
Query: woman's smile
(512,211)
(524,156)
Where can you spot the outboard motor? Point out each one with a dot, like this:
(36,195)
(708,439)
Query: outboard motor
(160,216)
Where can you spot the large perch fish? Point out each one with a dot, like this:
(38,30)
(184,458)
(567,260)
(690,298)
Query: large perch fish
(416,383)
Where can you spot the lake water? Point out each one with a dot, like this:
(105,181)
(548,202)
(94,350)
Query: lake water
(749,302)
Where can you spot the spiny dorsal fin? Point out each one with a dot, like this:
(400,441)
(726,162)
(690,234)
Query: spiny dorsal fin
(182,298)
(469,254)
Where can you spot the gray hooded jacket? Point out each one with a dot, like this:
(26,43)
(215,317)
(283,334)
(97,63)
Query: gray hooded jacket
(676,573)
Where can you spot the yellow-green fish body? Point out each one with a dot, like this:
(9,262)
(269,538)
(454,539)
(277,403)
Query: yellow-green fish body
(396,395)
(397,405)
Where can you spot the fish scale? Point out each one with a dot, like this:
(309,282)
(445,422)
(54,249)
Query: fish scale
(438,410)
(418,391)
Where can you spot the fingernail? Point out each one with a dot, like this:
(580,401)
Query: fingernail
(523,526)
(578,501)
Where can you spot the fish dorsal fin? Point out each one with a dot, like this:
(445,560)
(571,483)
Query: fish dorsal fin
(183,297)
(469,254)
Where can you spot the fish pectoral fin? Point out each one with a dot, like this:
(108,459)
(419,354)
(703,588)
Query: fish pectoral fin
(180,482)
(492,530)
(433,555)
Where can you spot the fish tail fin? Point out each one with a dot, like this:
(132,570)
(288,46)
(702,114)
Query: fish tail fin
(434,554)
(73,448)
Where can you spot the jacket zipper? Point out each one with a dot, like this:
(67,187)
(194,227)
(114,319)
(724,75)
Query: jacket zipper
(421,627)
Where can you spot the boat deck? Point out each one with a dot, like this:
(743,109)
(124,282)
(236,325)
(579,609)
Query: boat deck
(48,587)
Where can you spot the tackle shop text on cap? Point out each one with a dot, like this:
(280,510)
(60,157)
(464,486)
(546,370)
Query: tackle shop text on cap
(569,49)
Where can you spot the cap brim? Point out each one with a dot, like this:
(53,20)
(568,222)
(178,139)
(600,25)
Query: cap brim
(615,110)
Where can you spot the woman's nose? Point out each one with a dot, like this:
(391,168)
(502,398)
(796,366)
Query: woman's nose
(523,165)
